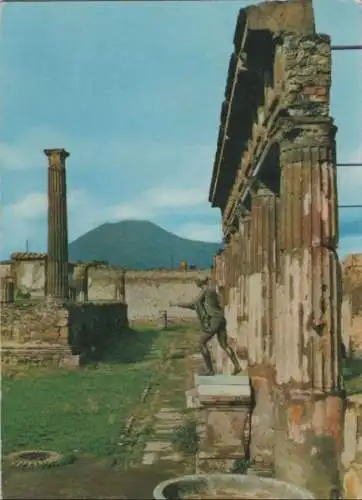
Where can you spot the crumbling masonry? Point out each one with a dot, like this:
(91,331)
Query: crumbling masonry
(274,180)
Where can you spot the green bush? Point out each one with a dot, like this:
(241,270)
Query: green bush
(186,438)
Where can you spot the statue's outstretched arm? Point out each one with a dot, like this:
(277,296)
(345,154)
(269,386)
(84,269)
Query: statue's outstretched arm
(189,305)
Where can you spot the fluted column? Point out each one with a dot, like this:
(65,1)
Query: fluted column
(243,285)
(262,274)
(57,261)
(262,278)
(7,288)
(309,319)
(309,393)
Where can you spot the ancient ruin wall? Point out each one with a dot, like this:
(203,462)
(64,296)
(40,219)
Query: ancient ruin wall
(352,302)
(29,272)
(276,160)
(147,292)
(50,330)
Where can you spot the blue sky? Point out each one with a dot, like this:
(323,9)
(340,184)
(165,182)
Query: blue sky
(133,92)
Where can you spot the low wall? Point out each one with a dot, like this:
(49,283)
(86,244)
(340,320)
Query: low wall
(148,292)
(54,331)
(95,326)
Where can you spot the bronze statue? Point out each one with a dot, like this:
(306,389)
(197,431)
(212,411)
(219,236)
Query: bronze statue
(211,316)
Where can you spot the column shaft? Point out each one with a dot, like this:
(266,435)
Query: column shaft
(57,261)
(309,395)
(262,278)
(263,262)
(243,286)
(309,289)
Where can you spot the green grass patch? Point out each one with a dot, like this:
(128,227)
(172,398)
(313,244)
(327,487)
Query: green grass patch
(186,438)
(352,372)
(83,410)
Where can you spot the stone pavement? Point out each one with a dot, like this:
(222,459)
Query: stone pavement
(169,418)
(166,422)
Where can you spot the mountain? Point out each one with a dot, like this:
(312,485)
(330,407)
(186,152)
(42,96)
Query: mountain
(140,245)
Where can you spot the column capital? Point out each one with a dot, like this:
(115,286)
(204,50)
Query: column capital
(63,153)
(56,153)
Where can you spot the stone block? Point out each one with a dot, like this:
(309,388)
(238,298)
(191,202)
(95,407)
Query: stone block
(224,429)
(70,361)
(224,416)
(223,389)
(208,464)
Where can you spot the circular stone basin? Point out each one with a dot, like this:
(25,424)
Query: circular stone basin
(34,458)
(228,486)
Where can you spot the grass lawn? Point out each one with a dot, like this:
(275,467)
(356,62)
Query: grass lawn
(83,410)
(86,410)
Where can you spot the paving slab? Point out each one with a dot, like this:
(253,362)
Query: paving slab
(149,458)
(168,410)
(167,430)
(175,457)
(171,416)
(157,446)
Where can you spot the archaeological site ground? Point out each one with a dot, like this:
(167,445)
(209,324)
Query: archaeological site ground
(102,391)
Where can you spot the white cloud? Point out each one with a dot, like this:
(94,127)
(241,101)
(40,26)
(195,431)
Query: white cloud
(200,232)
(85,212)
(176,197)
(33,206)
(26,151)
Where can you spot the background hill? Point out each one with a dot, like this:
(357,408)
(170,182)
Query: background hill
(140,245)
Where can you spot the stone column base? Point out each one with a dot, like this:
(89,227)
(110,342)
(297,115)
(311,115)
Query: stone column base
(308,439)
(262,422)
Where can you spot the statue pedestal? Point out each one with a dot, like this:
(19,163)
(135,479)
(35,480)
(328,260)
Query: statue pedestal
(224,408)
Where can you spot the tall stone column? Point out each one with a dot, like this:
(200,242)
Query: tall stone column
(57,261)
(243,286)
(231,308)
(262,278)
(310,395)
